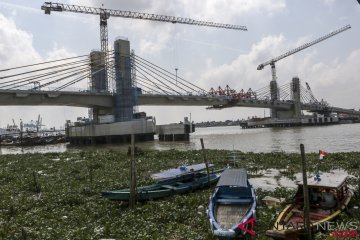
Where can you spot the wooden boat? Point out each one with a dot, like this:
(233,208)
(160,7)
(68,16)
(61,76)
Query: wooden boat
(166,188)
(182,171)
(327,197)
(232,205)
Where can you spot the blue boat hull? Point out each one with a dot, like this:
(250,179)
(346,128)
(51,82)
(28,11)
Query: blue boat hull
(163,189)
(232,210)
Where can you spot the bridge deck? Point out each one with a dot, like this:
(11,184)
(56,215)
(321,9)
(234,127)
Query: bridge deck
(106,101)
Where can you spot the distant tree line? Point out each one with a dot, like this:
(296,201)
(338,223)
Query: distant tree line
(219,123)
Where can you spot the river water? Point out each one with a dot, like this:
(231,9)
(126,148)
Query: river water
(334,138)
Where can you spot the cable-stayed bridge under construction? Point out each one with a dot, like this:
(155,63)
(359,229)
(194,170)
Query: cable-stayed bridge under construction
(114,84)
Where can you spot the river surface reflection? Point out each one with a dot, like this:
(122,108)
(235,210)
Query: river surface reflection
(334,138)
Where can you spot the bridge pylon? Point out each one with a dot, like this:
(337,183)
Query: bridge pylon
(274,96)
(296,97)
(98,81)
(295,92)
(125,92)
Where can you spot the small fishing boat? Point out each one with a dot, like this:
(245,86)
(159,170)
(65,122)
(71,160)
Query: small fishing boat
(179,172)
(168,187)
(232,206)
(327,197)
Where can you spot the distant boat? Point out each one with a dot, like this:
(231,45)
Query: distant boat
(328,197)
(165,188)
(232,204)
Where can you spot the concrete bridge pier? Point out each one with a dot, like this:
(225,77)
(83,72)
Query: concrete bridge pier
(125,92)
(295,93)
(274,96)
(98,81)
(175,131)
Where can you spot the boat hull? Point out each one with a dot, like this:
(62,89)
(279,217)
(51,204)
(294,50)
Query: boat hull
(232,207)
(164,189)
(289,223)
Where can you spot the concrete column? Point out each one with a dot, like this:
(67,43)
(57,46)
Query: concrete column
(274,95)
(98,81)
(125,93)
(295,95)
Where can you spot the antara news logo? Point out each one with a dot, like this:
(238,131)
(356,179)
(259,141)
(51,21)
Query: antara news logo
(341,230)
(338,230)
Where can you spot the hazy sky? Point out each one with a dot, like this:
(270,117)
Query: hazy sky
(208,57)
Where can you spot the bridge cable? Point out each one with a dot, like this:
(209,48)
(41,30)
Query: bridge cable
(147,87)
(144,81)
(55,75)
(153,71)
(48,75)
(150,74)
(31,65)
(39,76)
(76,80)
(172,74)
(173,78)
(156,85)
(47,68)
(50,67)
(89,75)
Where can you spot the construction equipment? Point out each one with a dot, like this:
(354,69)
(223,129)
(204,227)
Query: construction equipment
(38,123)
(302,47)
(106,13)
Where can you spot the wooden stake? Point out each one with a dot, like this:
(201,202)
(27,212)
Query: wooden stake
(132,200)
(306,194)
(36,184)
(205,160)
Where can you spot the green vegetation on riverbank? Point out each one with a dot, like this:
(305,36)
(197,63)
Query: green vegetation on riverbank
(57,195)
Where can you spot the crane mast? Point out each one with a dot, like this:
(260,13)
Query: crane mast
(106,13)
(302,47)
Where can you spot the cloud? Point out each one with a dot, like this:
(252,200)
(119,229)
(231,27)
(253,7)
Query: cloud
(228,10)
(338,83)
(12,7)
(242,72)
(16,49)
(16,45)
(328,2)
(324,77)
(155,36)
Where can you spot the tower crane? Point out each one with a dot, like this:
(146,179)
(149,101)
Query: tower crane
(105,14)
(302,47)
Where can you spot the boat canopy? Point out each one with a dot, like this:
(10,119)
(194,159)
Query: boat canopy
(328,180)
(233,177)
(179,171)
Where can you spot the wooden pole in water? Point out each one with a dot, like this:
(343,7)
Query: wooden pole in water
(306,194)
(132,200)
(205,160)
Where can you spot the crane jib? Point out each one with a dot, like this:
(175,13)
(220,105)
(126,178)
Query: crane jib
(59,7)
(106,13)
(302,47)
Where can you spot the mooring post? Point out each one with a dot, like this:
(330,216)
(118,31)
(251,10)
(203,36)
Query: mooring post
(36,184)
(205,160)
(132,200)
(306,194)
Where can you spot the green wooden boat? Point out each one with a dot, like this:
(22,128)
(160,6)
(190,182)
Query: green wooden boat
(166,188)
